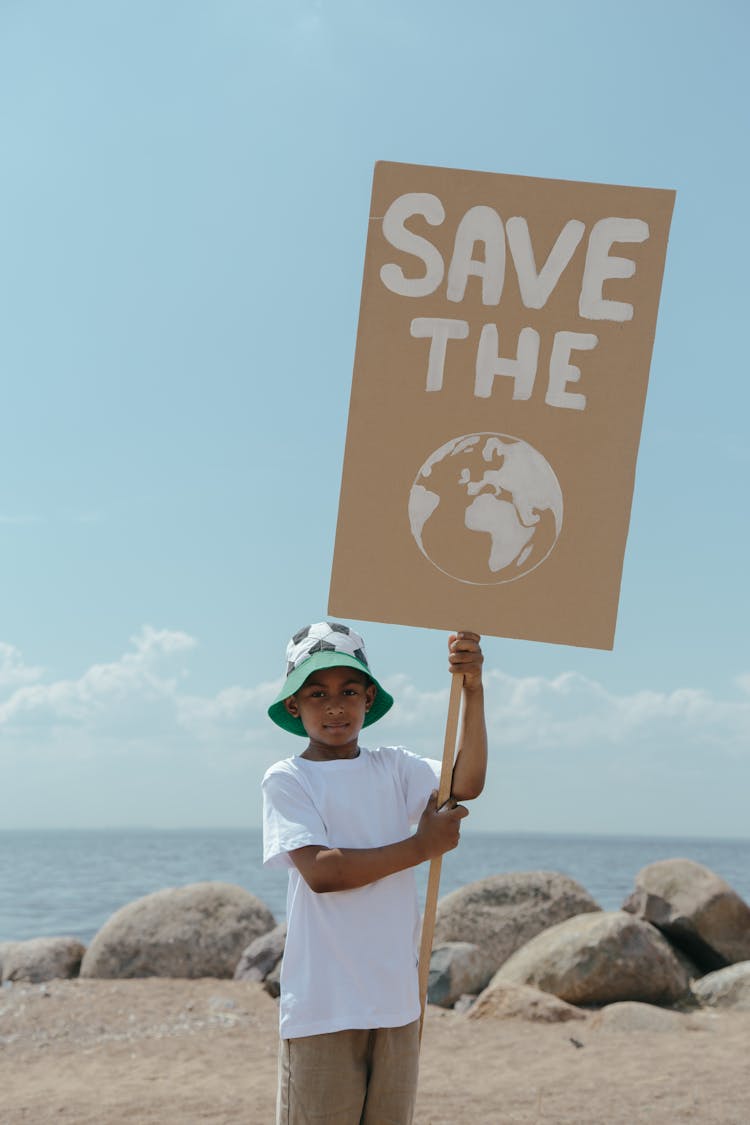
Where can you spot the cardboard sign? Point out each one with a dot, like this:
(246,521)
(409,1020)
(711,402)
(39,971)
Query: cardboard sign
(504,343)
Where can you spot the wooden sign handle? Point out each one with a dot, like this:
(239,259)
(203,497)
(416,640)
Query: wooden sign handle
(433,882)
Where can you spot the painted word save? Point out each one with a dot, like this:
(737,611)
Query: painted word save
(483,224)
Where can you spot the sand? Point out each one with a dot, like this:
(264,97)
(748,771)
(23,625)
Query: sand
(176,1052)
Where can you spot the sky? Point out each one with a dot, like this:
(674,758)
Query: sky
(183,212)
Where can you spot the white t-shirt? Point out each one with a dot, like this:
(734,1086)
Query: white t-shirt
(350,957)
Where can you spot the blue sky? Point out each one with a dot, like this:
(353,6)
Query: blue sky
(183,208)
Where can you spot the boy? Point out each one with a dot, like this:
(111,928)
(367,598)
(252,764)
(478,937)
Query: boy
(339,817)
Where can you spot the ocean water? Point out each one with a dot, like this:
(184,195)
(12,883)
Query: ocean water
(70,881)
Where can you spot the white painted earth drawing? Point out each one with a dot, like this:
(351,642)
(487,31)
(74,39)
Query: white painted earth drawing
(486,508)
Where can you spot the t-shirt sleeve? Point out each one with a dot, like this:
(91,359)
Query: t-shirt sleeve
(290,819)
(419,777)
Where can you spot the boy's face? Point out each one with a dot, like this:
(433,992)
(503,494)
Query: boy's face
(332,704)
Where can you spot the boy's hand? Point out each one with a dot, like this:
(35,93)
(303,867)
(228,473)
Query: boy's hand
(465,657)
(438,829)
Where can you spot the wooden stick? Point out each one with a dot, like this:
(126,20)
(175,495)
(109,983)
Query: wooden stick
(433,882)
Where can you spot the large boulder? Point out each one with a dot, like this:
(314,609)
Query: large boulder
(195,931)
(262,955)
(41,959)
(599,959)
(726,988)
(504,1001)
(695,909)
(502,912)
(457,968)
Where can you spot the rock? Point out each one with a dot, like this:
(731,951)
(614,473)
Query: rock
(262,955)
(272,983)
(631,1015)
(691,969)
(5,948)
(599,959)
(464,1003)
(456,967)
(41,959)
(503,1001)
(726,988)
(695,909)
(502,912)
(195,931)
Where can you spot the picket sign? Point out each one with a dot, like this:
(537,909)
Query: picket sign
(500,375)
(433,882)
(503,350)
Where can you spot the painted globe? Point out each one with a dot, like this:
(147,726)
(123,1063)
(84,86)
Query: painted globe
(486,508)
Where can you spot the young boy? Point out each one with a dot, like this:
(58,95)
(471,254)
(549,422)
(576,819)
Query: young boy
(339,817)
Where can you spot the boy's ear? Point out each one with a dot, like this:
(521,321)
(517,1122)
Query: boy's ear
(290,703)
(370,692)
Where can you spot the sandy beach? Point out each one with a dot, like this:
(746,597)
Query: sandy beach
(173,1052)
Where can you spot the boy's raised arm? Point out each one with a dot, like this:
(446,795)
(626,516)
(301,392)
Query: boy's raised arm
(470,767)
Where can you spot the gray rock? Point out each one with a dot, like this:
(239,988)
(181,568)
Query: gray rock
(502,912)
(726,988)
(41,959)
(195,931)
(456,968)
(504,1001)
(599,959)
(695,909)
(272,983)
(5,948)
(631,1015)
(690,967)
(262,955)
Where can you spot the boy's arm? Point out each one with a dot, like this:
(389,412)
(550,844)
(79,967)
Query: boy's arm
(344,869)
(470,767)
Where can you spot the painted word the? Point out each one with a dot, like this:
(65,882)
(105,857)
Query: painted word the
(522,367)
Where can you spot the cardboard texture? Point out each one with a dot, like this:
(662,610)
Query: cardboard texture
(502,360)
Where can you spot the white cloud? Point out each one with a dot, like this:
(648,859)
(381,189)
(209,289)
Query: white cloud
(570,712)
(230,707)
(13,670)
(135,740)
(105,695)
(138,706)
(142,696)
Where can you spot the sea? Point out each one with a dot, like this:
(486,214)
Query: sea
(69,882)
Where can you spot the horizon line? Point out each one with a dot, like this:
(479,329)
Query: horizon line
(471,831)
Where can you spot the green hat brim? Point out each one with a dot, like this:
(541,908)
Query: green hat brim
(278,713)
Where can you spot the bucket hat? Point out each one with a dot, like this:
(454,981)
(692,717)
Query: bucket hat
(326,644)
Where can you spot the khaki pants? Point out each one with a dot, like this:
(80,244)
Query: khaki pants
(349,1077)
